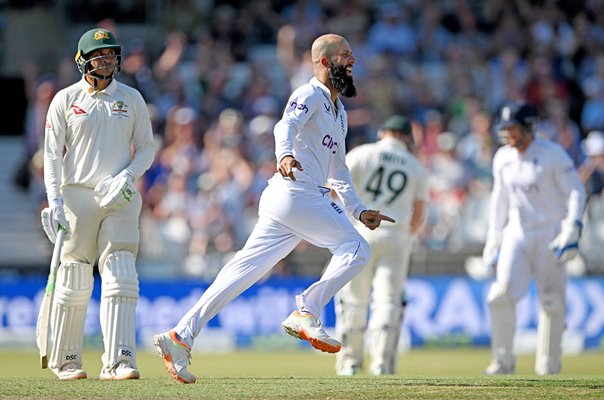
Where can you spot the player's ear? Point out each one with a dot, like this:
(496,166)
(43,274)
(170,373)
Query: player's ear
(325,62)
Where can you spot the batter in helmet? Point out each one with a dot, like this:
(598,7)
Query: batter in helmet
(516,123)
(99,55)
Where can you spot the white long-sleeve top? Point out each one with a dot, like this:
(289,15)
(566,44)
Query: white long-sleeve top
(534,189)
(314,134)
(89,135)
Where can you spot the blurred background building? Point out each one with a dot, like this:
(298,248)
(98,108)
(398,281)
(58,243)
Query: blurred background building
(216,74)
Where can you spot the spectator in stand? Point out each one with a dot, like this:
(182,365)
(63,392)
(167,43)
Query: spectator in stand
(591,170)
(558,126)
(392,33)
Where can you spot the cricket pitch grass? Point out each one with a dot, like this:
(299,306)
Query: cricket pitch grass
(306,375)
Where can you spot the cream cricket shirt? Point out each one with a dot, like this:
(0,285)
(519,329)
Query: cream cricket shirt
(97,130)
(388,178)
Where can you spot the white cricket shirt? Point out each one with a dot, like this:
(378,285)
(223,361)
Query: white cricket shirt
(97,129)
(534,189)
(314,134)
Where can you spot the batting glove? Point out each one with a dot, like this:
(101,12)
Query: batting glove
(566,245)
(52,217)
(117,191)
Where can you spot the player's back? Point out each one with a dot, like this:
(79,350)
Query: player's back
(387,177)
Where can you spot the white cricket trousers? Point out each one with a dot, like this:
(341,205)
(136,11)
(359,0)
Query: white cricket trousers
(524,256)
(288,213)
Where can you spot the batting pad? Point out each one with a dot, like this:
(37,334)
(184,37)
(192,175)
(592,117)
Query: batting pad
(119,295)
(503,325)
(385,328)
(549,334)
(72,292)
(350,328)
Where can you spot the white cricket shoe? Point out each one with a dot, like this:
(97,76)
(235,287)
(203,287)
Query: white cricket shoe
(548,370)
(308,327)
(121,371)
(496,368)
(176,354)
(348,371)
(71,371)
(381,371)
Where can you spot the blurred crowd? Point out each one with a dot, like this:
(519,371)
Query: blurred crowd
(217,81)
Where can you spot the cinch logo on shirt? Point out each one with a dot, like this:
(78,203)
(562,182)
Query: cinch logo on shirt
(77,110)
(297,106)
(330,144)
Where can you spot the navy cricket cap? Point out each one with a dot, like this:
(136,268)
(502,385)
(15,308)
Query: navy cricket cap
(517,113)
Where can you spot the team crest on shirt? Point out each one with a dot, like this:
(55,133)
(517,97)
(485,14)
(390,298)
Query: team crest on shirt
(119,109)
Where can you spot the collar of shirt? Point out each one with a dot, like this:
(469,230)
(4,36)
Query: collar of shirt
(85,86)
(531,148)
(317,83)
(395,142)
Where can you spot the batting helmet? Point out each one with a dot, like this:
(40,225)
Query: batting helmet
(96,39)
(517,113)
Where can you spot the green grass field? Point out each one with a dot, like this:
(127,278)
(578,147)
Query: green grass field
(423,374)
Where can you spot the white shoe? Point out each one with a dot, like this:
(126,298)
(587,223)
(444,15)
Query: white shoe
(496,368)
(176,354)
(349,371)
(71,371)
(308,327)
(548,371)
(381,371)
(121,371)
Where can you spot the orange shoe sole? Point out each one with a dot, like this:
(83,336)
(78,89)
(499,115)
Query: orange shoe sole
(319,345)
(172,372)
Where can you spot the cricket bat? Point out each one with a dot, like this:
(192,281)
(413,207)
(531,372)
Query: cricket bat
(42,326)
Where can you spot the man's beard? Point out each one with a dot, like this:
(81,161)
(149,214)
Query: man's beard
(340,81)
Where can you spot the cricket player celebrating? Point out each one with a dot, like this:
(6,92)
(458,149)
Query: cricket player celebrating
(295,206)
(387,177)
(98,140)
(535,224)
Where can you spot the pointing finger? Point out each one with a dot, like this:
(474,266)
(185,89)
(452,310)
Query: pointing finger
(387,218)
